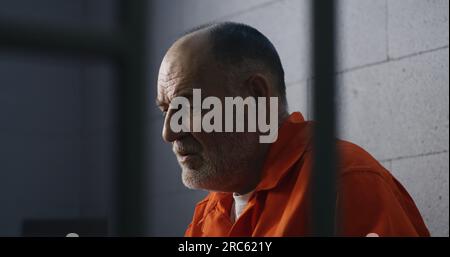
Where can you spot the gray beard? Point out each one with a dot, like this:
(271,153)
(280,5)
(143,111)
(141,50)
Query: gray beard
(224,166)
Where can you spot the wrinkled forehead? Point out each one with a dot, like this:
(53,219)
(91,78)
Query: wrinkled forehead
(188,64)
(179,73)
(186,55)
(179,61)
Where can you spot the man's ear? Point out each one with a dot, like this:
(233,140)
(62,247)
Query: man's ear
(258,85)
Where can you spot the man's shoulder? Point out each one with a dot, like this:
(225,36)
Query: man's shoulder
(353,156)
(356,162)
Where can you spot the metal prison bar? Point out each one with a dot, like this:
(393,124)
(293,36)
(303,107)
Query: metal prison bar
(323,63)
(127,48)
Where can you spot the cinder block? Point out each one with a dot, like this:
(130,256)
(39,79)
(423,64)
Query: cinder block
(197,12)
(356,46)
(287,25)
(297,97)
(177,16)
(426,179)
(361,33)
(399,108)
(417,25)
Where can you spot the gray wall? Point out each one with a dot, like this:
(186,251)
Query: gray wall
(57,113)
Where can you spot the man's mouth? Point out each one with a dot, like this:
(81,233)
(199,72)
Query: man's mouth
(190,160)
(187,154)
(184,150)
(183,153)
(187,157)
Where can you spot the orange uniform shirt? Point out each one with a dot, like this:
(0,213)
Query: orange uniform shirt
(369,198)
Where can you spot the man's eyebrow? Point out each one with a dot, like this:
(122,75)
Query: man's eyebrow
(159,103)
(183,93)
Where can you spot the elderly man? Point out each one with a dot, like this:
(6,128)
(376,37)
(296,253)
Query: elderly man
(264,189)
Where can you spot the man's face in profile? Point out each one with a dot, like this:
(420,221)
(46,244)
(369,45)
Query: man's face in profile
(211,161)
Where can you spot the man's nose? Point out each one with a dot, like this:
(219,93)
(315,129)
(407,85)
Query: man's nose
(167,133)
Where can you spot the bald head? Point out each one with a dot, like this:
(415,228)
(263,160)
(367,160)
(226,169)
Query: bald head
(223,60)
(188,64)
(237,49)
(242,49)
(188,54)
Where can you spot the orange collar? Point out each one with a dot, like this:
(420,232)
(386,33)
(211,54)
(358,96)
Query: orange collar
(293,140)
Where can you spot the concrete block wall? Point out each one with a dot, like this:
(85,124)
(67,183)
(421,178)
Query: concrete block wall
(394,89)
(397,106)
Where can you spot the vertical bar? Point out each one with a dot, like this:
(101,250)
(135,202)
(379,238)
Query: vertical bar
(323,187)
(128,49)
(131,177)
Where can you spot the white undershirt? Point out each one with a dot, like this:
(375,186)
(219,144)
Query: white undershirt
(239,204)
